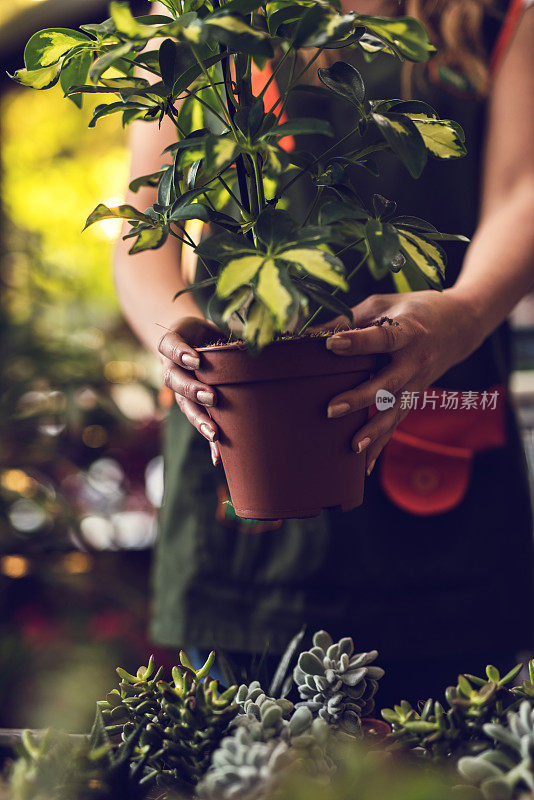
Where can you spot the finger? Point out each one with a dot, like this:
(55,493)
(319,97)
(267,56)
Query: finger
(385,338)
(334,325)
(383,423)
(173,347)
(372,308)
(198,418)
(392,379)
(183,384)
(374,450)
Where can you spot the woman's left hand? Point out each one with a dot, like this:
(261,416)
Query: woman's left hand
(424,333)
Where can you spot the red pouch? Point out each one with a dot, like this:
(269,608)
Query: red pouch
(426,466)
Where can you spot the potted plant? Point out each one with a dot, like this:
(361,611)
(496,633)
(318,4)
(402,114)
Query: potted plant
(268,272)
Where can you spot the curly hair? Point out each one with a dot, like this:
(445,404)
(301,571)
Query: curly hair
(456,28)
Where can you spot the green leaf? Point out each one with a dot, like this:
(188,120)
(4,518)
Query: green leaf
(259,326)
(184,81)
(442,137)
(344,80)
(43,78)
(149,239)
(321,28)
(222,246)
(302,126)
(406,36)
(221,151)
(273,226)
(105,109)
(48,46)
(236,273)
(238,300)
(107,60)
(404,139)
(334,211)
(119,212)
(274,295)
(74,73)
(234,32)
(331,301)
(318,263)
(169,62)
(383,241)
(430,232)
(126,24)
(429,259)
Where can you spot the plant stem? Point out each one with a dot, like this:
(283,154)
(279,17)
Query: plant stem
(225,111)
(192,244)
(230,192)
(313,205)
(349,276)
(275,70)
(301,172)
(291,83)
(258,178)
(207,105)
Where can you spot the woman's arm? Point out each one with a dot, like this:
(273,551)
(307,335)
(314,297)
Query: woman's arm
(147,282)
(433,331)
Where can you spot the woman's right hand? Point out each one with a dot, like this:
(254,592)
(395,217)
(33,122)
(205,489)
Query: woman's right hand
(179,360)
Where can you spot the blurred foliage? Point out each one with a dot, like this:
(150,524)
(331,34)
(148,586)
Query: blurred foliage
(54,170)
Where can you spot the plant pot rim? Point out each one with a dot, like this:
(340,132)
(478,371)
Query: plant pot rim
(242,345)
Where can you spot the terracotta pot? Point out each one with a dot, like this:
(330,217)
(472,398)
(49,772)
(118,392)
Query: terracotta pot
(375,730)
(282,456)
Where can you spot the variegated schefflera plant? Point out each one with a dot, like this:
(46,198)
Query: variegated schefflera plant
(227,166)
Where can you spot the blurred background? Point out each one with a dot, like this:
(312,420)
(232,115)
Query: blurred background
(80,471)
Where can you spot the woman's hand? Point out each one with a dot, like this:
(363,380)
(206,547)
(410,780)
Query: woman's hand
(424,333)
(179,361)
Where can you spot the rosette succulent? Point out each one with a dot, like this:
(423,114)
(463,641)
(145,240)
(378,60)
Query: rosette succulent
(269,735)
(505,770)
(336,683)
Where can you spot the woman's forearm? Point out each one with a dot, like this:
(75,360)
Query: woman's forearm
(498,269)
(146,284)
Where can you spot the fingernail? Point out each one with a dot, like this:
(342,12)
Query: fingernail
(190,361)
(360,446)
(371,467)
(205,398)
(337,410)
(207,431)
(338,344)
(213,451)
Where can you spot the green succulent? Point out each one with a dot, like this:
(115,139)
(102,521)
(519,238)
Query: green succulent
(61,767)
(459,728)
(269,735)
(182,723)
(506,770)
(337,684)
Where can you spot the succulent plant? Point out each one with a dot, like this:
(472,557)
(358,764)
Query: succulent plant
(506,770)
(269,735)
(460,728)
(61,767)
(182,723)
(336,683)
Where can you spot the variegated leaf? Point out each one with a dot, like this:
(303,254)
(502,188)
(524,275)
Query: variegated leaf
(237,272)
(318,263)
(273,294)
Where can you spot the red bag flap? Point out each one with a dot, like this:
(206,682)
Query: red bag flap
(426,466)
